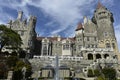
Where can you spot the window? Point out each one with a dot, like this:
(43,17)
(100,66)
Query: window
(45,50)
(107,45)
(66,46)
(63,47)
(92,46)
(95,38)
(113,45)
(22,33)
(29,43)
(88,39)
(79,46)
(95,46)
(88,46)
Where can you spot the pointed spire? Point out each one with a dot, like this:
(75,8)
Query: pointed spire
(99,5)
(79,27)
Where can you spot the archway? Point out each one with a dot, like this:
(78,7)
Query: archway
(90,56)
(98,56)
(106,55)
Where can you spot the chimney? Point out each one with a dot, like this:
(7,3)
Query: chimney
(20,13)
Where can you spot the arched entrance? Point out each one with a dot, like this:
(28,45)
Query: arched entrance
(90,56)
(106,55)
(98,56)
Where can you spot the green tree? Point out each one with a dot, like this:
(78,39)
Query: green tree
(9,38)
(109,73)
(3,70)
(97,72)
(18,70)
(11,61)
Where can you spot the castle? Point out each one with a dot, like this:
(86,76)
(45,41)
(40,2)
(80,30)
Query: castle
(93,45)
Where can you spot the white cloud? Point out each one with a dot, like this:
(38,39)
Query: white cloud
(5,17)
(64,12)
(117,33)
(15,5)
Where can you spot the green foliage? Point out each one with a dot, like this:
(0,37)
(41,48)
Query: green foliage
(109,73)
(97,72)
(18,69)
(11,61)
(9,38)
(101,78)
(90,73)
(3,70)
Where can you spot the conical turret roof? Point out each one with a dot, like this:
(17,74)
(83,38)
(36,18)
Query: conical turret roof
(99,5)
(79,27)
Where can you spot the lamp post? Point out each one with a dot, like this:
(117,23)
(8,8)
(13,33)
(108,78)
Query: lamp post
(56,67)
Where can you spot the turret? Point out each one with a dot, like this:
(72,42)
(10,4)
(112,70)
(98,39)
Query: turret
(32,21)
(103,18)
(20,13)
(79,37)
(79,28)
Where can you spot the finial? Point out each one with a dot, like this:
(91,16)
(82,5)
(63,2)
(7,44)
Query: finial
(99,4)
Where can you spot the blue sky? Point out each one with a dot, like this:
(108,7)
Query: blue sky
(57,16)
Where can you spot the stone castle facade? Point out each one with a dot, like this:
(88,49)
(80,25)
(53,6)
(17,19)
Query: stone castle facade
(26,29)
(93,46)
(97,33)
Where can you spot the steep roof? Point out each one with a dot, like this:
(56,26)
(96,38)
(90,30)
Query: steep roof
(99,5)
(79,27)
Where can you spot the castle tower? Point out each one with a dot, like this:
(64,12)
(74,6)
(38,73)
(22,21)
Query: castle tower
(79,38)
(31,34)
(20,13)
(103,18)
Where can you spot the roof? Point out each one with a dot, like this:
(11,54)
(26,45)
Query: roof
(99,5)
(79,27)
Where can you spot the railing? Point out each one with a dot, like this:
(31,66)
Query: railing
(72,58)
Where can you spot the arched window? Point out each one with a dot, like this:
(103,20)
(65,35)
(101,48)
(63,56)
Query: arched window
(98,56)
(107,45)
(113,45)
(106,55)
(90,56)
(45,50)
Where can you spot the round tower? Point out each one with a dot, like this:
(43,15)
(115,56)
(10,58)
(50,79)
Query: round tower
(103,18)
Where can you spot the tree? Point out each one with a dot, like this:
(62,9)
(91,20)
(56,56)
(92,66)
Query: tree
(3,70)
(97,72)
(18,70)
(109,73)
(11,61)
(9,38)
